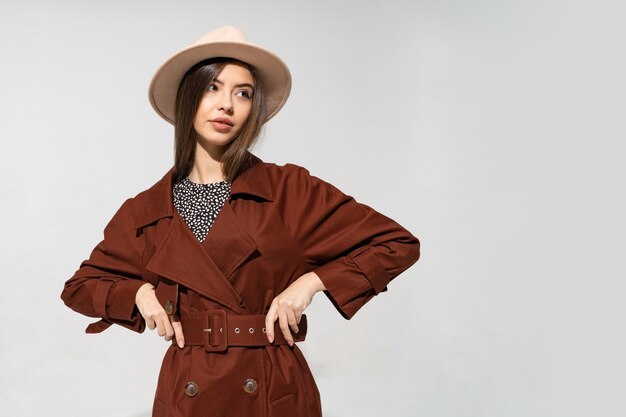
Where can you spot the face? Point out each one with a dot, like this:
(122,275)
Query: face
(225,106)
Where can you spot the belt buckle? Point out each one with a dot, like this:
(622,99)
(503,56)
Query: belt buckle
(216,328)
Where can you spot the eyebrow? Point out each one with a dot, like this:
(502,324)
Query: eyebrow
(238,85)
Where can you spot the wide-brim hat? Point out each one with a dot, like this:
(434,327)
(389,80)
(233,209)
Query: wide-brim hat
(225,41)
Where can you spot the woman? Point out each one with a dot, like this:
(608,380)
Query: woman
(224,253)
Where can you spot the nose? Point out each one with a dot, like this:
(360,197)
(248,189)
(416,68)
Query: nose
(225,102)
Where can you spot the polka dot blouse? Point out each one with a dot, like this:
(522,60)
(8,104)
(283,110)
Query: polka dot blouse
(199,204)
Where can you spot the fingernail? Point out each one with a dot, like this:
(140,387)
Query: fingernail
(180,344)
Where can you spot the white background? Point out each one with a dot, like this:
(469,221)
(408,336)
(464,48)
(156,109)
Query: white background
(492,130)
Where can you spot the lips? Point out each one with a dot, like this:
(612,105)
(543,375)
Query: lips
(222,120)
(222,125)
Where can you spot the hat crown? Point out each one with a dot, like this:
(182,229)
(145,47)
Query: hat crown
(223,34)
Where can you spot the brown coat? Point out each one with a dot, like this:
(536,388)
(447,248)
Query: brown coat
(279,223)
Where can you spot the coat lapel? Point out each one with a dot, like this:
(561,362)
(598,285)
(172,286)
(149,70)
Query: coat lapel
(203,267)
(182,258)
(227,243)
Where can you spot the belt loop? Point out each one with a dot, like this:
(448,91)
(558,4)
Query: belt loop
(216,329)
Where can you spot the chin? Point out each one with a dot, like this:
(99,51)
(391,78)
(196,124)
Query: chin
(221,142)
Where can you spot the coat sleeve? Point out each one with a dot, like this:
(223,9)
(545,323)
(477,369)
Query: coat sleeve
(355,250)
(105,285)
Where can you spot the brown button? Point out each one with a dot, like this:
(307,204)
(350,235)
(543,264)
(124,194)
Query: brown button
(169,308)
(191,389)
(249,385)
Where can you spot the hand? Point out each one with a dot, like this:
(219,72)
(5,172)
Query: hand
(155,316)
(289,305)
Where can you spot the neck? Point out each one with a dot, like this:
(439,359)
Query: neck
(207,166)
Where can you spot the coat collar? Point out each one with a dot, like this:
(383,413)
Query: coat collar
(158,199)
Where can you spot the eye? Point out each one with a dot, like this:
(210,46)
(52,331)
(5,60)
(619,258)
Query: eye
(212,87)
(245,93)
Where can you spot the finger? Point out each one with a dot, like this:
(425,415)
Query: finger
(150,323)
(160,327)
(283,323)
(162,323)
(293,322)
(270,319)
(178,332)
(169,330)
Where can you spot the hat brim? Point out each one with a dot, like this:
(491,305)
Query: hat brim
(272,71)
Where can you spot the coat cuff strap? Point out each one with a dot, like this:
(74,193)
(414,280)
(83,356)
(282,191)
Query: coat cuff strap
(100,296)
(375,273)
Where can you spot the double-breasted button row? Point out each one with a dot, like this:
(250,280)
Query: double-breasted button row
(191,389)
(249,386)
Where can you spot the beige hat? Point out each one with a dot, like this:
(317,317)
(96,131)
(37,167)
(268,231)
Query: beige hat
(225,41)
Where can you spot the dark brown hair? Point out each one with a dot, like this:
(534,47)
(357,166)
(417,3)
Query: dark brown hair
(191,90)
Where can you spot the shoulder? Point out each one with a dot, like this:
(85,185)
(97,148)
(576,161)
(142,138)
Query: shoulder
(150,204)
(289,173)
(294,181)
(286,171)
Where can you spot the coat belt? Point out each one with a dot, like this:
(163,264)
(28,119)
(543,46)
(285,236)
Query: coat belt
(216,331)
